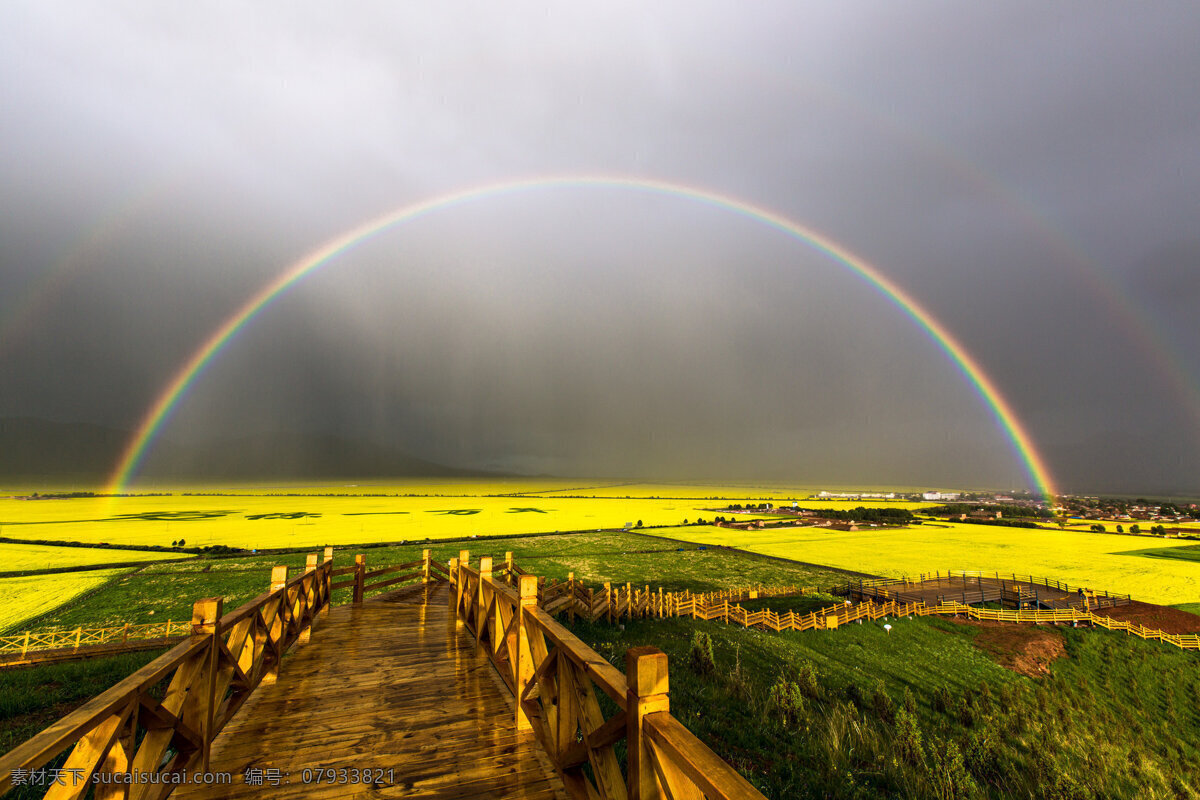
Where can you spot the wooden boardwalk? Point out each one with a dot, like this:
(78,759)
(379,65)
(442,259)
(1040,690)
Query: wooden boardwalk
(386,685)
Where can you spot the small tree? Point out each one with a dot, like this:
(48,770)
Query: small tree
(700,656)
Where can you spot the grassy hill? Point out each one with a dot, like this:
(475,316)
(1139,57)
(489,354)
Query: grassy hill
(932,709)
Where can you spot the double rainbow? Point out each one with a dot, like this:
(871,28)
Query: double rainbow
(160,411)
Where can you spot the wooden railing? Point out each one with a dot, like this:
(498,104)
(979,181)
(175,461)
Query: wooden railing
(22,644)
(554,678)
(35,647)
(1010,585)
(845,613)
(574,598)
(162,719)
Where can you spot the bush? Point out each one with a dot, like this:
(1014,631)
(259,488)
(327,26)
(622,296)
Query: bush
(906,742)
(948,774)
(909,703)
(857,696)
(786,701)
(882,703)
(700,657)
(806,679)
(982,755)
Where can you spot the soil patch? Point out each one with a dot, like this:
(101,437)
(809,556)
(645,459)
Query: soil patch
(1026,649)
(1161,618)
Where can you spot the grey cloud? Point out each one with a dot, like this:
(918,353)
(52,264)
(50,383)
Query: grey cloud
(1015,167)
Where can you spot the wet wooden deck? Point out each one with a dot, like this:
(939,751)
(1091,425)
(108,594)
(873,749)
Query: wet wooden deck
(388,685)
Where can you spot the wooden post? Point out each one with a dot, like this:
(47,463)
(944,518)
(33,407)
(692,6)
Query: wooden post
(426,557)
(326,579)
(278,632)
(485,574)
(206,618)
(509,574)
(461,600)
(571,594)
(360,578)
(312,597)
(523,663)
(629,600)
(312,594)
(453,570)
(646,674)
(608,596)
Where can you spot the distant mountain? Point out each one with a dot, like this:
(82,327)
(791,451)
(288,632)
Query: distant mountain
(43,450)
(295,455)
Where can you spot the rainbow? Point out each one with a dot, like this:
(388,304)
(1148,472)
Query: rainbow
(160,411)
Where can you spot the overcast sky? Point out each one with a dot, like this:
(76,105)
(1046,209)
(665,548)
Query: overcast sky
(1028,171)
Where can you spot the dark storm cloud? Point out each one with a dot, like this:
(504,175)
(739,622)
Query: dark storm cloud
(1029,172)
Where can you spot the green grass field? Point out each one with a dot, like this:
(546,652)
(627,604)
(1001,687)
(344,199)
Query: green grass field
(1095,560)
(982,729)
(155,593)
(927,711)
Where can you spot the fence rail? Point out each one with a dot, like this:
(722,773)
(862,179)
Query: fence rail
(845,613)
(976,586)
(35,647)
(162,719)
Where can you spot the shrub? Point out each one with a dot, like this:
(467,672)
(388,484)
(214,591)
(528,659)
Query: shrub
(906,742)
(786,700)
(942,701)
(739,682)
(909,702)
(857,696)
(700,656)
(806,679)
(948,774)
(882,703)
(982,755)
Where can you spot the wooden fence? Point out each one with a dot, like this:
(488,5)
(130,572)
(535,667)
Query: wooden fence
(163,718)
(1011,587)
(40,647)
(554,678)
(832,617)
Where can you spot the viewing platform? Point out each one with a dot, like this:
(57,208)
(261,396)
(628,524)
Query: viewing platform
(457,685)
(392,691)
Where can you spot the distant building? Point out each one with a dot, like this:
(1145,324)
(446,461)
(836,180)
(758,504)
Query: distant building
(940,495)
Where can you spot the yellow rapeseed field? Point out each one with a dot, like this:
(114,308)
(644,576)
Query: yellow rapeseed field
(291,515)
(255,521)
(21,557)
(1094,560)
(25,598)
